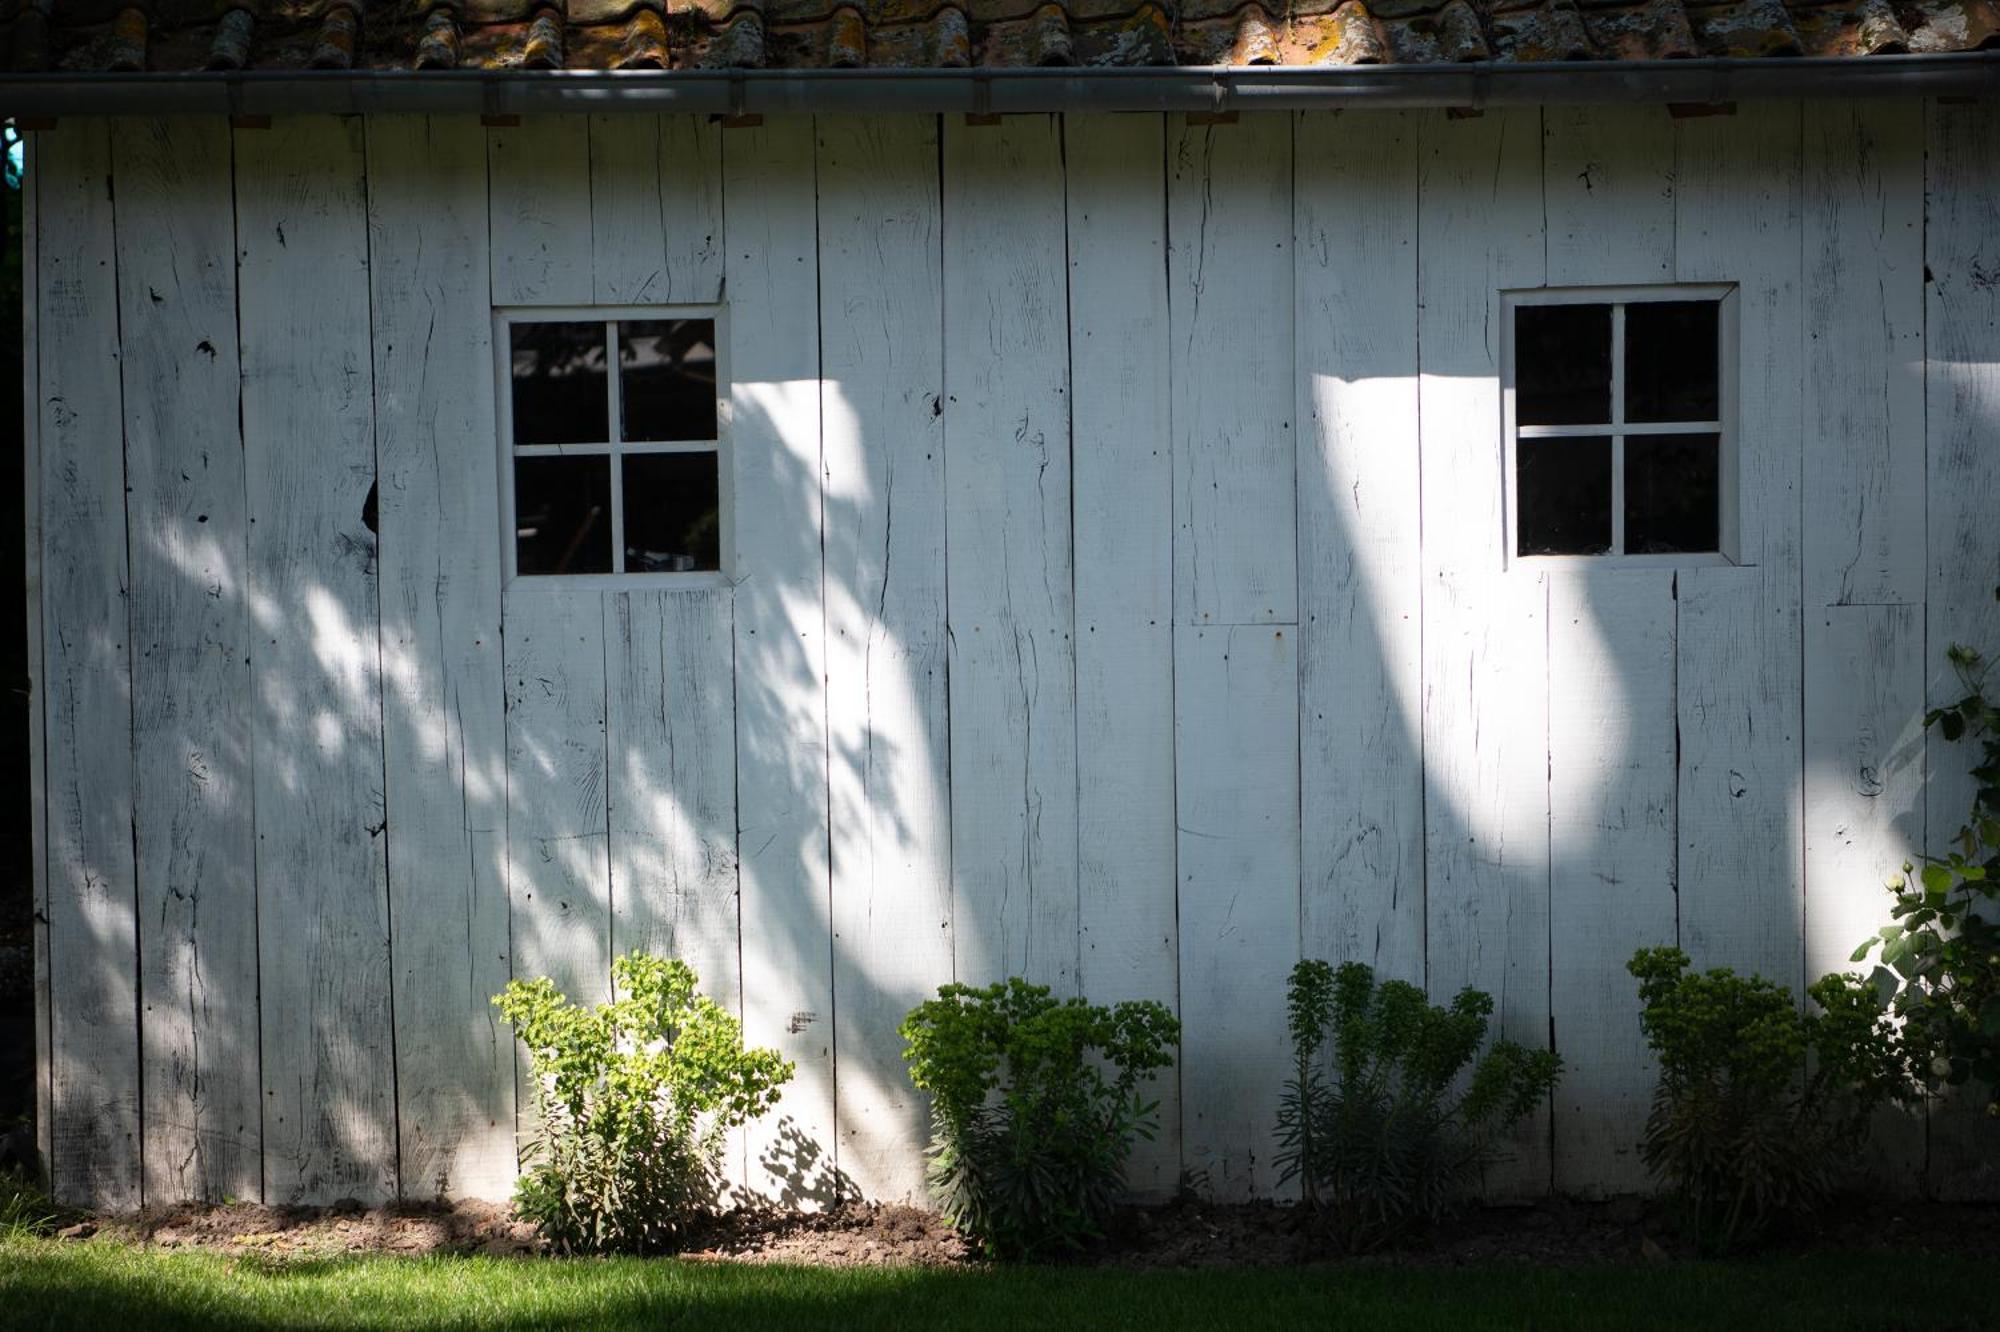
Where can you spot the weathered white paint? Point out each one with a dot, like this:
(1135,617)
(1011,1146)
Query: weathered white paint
(1864,352)
(444,765)
(1230,292)
(86,682)
(539,178)
(1611,856)
(1360,562)
(315,716)
(1962,421)
(1484,638)
(1237,790)
(1011,596)
(880,316)
(1003,407)
(781,757)
(1737,205)
(31,501)
(192,763)
(1864,801)
(1122,535)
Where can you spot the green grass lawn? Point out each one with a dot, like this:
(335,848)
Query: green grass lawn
(104,1285)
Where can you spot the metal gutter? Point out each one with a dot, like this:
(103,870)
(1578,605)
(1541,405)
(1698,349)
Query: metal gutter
(995,91)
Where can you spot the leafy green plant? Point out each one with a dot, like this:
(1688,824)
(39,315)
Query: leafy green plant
(633,1099)
(1373,1124)
(1758,1105)
(1035,1108)
(25,1209)
(1940,958)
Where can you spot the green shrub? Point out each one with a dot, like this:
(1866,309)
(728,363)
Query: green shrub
(1035,1108)
(1373,1124)
(1758,1104)
(1941,957)
(633,1100)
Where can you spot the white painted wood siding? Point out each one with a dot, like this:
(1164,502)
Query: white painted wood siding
(1118,597)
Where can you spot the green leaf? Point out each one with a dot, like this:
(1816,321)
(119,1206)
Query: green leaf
(1937,879)
(1952,724)
(1861,953)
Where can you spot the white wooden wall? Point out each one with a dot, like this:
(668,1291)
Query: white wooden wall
(1118,600)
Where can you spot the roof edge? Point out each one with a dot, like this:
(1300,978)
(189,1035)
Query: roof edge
(1212,89)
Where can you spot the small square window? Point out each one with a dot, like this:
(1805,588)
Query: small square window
(613,436)
(1617,441)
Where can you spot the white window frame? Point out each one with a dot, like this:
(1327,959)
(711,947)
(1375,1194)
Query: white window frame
(1729,525)
(615,448)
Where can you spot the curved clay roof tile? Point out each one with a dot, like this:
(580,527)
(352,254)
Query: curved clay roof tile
(231,47)
(1256,39)
(1880,32)
(1351,36)
(126,52)
(951,38)
(1053,43)
(846,39)
(439,47)
(545,40)
(1460,39)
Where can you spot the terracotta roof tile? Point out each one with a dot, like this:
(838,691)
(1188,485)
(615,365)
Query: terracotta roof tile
(681,34)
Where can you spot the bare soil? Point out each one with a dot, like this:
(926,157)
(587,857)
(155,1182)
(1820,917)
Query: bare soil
(1180,1235)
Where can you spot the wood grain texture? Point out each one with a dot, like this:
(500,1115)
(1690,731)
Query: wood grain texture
(92,935)
(1864,352)
(1011,598)
(1123,542)
(1737,195)
(1609,172)
(191,744)
(1229,266)
(558,862)
(444,731)
(1611,857)
(1962,381)
(1360,561)
(627,231)
(1237,784)
(31,503)
(1864,806)
(539,178)
(315,716)
(781,758)
(881,316)
(671,728)
(1484,639)
(691,207)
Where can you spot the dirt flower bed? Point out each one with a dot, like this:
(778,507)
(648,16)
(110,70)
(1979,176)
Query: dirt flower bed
(1557,1232)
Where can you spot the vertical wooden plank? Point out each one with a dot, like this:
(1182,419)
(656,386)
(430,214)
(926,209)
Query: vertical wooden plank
(1237,778)
(627,231)
(1012,609)
(881,314)
(1864,805)
(191,755)
(1611,857)
(1484,631)
(31,496)
(1737,200)
(558,867)
(781,763)
(1360,562)
(86,705)
(691,208)
(444,770)
(1864,352)
(1962,381)
(669,706)
(1609,172)
(1123,540)
(316,721)
(1229,264)
(540,178)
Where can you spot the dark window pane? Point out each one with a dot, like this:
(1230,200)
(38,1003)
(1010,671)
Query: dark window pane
(561,395)
(562,515)
(1562,364)
(1671,361)
(672,519)
(1673,487)
(1564,504)
(666,374)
